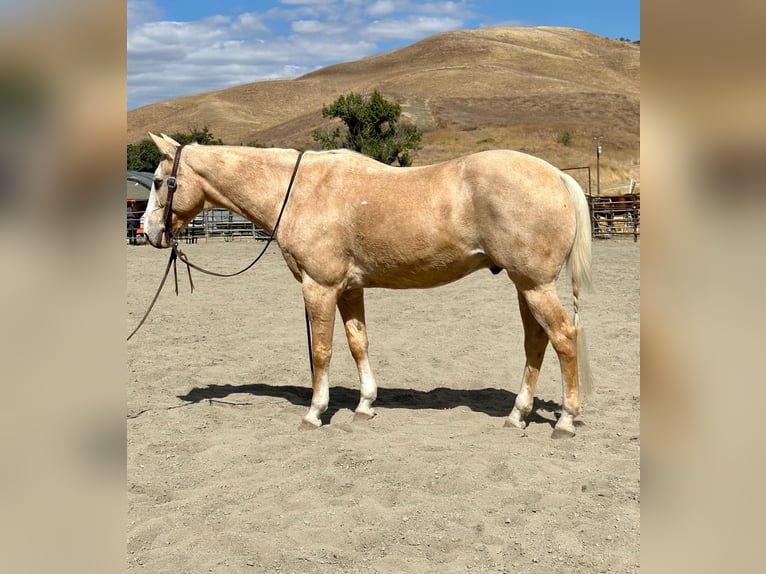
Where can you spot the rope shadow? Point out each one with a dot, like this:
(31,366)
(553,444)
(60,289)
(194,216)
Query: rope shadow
(492,402)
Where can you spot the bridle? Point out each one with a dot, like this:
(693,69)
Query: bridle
(176,252)
(172,184)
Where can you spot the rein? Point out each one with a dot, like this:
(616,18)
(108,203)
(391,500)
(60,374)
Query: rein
(176,252)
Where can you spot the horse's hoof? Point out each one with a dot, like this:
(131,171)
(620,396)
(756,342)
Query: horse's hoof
(308,425)
(514,422)
(562,433)
(363,417)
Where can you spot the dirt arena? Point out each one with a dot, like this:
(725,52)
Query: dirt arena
(220,480)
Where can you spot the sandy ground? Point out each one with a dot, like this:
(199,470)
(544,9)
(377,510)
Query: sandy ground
(220,479)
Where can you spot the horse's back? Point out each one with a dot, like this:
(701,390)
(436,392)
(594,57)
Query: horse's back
(425,226)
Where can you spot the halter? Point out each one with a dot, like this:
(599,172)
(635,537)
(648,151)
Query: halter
(172,185)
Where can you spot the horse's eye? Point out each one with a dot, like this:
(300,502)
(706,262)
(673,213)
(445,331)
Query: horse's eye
(157,183)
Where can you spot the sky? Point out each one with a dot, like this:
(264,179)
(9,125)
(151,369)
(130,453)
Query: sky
(185,47)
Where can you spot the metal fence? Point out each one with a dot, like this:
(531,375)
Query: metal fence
(222,223)
(616,215)
(216,223)
(612,214)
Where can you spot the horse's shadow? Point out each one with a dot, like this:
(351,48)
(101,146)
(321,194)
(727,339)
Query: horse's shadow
(493,402)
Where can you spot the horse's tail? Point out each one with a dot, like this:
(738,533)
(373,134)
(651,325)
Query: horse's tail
(579,261)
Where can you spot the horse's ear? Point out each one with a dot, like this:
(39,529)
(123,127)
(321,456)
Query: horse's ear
(170,140)
(166,148)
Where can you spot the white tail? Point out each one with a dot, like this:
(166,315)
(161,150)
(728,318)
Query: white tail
(579,266)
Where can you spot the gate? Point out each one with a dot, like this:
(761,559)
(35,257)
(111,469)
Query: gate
(611,214)
(616,215)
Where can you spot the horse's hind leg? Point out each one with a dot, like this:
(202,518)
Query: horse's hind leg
(351,306)
(535,342)
(320,303)
(546,308)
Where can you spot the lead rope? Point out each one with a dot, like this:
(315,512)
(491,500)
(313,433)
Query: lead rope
(157,294)
(176,253)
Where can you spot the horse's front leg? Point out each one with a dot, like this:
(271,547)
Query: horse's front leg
(320,303)
(351,306)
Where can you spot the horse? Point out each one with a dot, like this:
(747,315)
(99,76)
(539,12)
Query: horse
(353,223)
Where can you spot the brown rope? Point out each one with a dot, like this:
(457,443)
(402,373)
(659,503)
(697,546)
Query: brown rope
(157,294)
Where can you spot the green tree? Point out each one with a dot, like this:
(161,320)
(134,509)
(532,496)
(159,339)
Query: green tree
(144,156)
(372,127)
(196,135)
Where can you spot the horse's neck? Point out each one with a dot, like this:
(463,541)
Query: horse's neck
(249,181)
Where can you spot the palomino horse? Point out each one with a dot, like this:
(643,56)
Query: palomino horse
(351,222)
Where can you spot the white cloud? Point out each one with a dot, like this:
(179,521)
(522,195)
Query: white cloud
(444,7)
(308,2)
(411,28)
(249,22)
(381,8)
(172,59)
(318,27)
(140,11)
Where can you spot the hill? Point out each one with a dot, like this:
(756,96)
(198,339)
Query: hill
(469,90)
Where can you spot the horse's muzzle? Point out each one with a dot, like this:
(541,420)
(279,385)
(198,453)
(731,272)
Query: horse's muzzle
(159,240)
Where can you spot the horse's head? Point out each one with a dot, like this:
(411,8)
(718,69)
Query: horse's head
(187,199)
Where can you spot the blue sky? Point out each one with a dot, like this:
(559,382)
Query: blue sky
(179,48)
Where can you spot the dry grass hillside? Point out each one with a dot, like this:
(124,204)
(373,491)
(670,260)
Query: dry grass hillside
(470,90)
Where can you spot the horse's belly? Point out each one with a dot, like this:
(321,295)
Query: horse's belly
(421,272)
